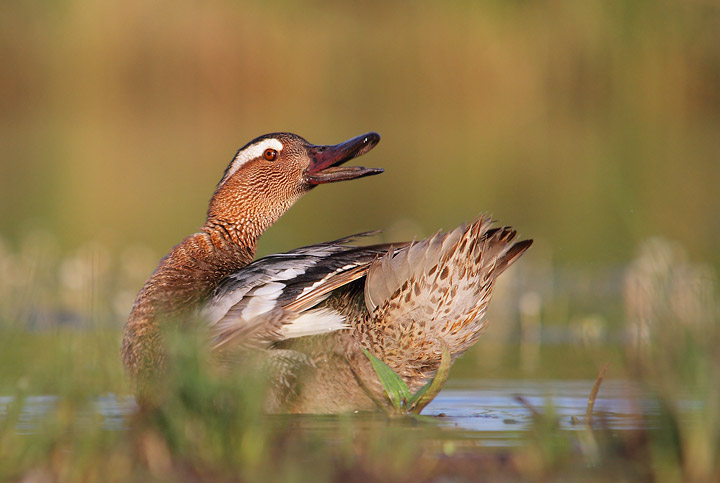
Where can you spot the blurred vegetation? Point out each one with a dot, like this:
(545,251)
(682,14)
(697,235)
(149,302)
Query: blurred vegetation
(591,126)
(60,319)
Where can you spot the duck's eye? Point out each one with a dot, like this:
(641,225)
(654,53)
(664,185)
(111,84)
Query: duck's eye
(270,154)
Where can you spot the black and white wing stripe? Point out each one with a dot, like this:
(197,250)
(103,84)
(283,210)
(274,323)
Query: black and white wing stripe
(277,297)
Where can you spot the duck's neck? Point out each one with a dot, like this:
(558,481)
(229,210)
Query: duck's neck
(242,234)
(182,280)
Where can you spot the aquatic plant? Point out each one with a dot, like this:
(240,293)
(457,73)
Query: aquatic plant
(401,400)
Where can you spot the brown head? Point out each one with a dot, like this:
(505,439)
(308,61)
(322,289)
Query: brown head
(272,172)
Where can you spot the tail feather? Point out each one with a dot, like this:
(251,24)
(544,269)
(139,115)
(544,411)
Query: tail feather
(513,254)
(436,291)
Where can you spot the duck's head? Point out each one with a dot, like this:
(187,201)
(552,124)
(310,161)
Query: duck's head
(271,172)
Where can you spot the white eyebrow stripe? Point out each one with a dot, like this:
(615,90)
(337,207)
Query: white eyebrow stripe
(251,152)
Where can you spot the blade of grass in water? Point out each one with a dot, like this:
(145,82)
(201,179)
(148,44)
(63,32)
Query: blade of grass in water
(428,392)
(395,388)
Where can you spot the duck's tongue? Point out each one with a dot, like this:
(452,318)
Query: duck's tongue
(326,160)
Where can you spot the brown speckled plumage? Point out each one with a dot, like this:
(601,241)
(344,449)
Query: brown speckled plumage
(312,310)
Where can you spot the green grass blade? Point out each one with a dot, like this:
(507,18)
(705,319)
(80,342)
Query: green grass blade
(428,392)
(416,397)
(395,388)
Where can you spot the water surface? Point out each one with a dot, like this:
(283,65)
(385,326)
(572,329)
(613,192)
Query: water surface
(483,409)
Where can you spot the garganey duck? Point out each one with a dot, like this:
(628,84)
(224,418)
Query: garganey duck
(312,310)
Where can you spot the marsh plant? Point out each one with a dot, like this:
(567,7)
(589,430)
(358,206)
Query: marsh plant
(399,400)
(672,316)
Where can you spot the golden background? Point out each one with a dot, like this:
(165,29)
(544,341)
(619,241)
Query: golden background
(587,125)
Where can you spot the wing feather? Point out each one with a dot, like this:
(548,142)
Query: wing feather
(280,296)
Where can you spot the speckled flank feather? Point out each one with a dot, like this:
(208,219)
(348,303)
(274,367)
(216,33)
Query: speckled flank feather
(433,292)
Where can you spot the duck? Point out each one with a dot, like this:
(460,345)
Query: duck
(315,312)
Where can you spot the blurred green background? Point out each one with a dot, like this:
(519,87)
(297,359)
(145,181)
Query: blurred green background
(588,125)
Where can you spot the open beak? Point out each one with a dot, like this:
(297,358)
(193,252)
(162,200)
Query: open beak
(326,160)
